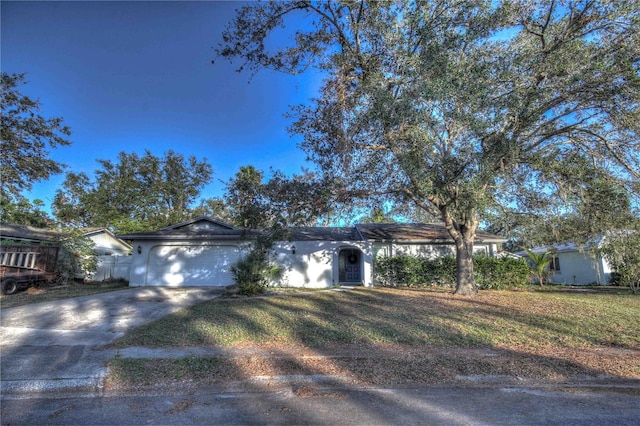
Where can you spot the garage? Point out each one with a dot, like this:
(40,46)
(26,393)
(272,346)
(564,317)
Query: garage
(192,265)
(196,253)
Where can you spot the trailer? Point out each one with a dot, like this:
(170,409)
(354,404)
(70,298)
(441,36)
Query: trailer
(22,266)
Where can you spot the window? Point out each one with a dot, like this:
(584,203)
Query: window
(554,266)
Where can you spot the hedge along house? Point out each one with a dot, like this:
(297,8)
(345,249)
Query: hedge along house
(201,252)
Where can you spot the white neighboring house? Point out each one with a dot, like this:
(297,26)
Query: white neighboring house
(114,257)
(572,266)
(200,252)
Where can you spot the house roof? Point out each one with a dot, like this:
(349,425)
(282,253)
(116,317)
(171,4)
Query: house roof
(90,232)
(199,228)
(208,228)
(565,247)
(28,233)
(324,234)
(432,232)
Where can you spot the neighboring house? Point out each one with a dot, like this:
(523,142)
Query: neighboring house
(570,265)
(113,259)
(201,252)
(113,255)
(28,234)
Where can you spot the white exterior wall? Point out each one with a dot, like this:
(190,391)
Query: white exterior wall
(430,251)
(112,261)
(105,243)
(315,263)
(581,268)
(140,262)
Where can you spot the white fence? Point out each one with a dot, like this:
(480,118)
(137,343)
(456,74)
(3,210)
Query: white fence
(112,267)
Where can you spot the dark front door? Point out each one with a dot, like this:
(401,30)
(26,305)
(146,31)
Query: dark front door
(350,266)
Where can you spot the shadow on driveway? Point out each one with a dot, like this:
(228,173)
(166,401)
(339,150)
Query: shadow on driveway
(54,345)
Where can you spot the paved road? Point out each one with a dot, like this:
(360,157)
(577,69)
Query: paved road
(56,344)
(335,406)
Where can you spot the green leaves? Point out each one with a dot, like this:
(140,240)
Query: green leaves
(410,271)
(460,107)
(26,138)
(282,201)
(136,193)
(622,250)
(540,264)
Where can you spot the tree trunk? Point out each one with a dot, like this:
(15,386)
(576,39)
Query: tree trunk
(465,282)
(463,235)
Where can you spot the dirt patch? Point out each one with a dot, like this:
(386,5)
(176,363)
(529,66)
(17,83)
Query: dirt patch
(180,406)
(312,392)
(151,298)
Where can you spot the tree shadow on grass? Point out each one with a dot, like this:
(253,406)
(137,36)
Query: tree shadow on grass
(323,346)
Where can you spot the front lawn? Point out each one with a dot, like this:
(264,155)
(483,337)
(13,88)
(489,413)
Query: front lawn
(383,336)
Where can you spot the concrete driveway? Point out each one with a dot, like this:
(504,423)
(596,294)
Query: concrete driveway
(56,345)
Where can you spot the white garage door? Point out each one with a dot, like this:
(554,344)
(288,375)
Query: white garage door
(203,265)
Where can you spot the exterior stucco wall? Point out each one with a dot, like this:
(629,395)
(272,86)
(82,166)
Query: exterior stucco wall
(581,268)
(105,244)
(430,251)
(315,263)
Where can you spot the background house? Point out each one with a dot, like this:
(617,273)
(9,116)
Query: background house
(572,266)
(28,234)
(113,253)
(200,252)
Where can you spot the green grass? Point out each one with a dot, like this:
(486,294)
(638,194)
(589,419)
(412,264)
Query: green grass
(45,294)
(408,317)
(389,336)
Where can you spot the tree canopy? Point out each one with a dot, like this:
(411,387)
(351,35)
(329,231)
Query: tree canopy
(136,193)
(280,202)
(26,137)
(462,108)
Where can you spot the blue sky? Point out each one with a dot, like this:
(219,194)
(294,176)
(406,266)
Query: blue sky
(130,76)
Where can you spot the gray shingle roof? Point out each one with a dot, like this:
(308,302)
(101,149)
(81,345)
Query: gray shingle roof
(415,232)
(199,228)
(207,228)
(23,232)
(324,234)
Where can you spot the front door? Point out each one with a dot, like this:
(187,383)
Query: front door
(350,266)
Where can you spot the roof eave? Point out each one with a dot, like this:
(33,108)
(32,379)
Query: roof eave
(176,237)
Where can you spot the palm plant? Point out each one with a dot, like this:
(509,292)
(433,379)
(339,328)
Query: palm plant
(539,264)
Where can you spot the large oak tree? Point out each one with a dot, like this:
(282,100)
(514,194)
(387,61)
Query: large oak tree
(460,107)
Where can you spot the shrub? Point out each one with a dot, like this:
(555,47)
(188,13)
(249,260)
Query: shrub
(254,272)
(500,273)
(412,271)
(622,251)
